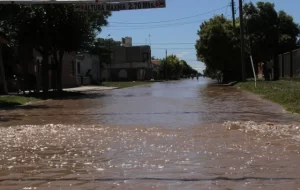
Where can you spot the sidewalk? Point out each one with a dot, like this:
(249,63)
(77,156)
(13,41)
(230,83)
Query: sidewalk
(88,88)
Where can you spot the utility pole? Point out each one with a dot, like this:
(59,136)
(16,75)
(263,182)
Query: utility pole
(105,45)
(166,66)
(242,40)
(110,59)
(233,12)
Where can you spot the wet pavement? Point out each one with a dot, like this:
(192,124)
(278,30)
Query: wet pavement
(172,135)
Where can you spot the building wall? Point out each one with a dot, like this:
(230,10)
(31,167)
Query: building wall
(131,74)
(296,63)
(68,71)
(280,68)
(119,55)
(87,63)
(68,77)
(287,65)
(129,63)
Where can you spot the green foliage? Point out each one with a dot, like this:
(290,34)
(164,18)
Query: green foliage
(187,69)
(48,27)
(175,68)
(52,29)
(8,101)
(217,46)
(103,48)
(268,33)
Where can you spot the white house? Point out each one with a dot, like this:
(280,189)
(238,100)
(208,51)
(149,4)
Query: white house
(87,68)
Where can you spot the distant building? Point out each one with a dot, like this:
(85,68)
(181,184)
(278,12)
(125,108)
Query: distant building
(129,63)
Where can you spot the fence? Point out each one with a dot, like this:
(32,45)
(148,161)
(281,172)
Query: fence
(289,64)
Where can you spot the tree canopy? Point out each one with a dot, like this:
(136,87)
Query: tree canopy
(268,33)
(103,48)
(173,68)
(218,46)
(51,30)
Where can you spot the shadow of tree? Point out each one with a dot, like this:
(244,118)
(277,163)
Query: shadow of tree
(4,104)
(65,95)
(8,118)
(29,107)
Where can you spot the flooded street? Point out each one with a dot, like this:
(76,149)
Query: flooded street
(175,135)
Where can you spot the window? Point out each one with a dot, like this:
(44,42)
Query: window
(78,67)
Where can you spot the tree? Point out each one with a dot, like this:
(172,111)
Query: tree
(173,68)
(269,32)
(53,30)
(103,48)
(187,70)
(218,46)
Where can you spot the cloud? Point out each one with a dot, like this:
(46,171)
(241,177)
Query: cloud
(181,54)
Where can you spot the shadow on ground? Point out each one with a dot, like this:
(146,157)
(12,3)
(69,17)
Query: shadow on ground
(4,105)
(8,118)
(30,107)
(64,95)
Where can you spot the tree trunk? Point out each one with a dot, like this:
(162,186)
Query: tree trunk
(26,85)
(3,78)
(45,73)
(59,61)
(59,70)
(100,68)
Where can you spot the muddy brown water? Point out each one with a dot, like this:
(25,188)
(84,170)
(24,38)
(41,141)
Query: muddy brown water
(160,136)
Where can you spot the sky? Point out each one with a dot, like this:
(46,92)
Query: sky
(175,27)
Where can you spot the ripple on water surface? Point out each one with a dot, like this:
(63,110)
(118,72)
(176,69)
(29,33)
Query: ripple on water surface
(199,157)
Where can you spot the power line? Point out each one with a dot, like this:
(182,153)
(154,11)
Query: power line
(169,43)
(233,12)
(173,48)
(226,10)
(164,21)
(154,26)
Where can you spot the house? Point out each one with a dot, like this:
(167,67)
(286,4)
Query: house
(87,69)
(128,63)
(69,74)
(77,69)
